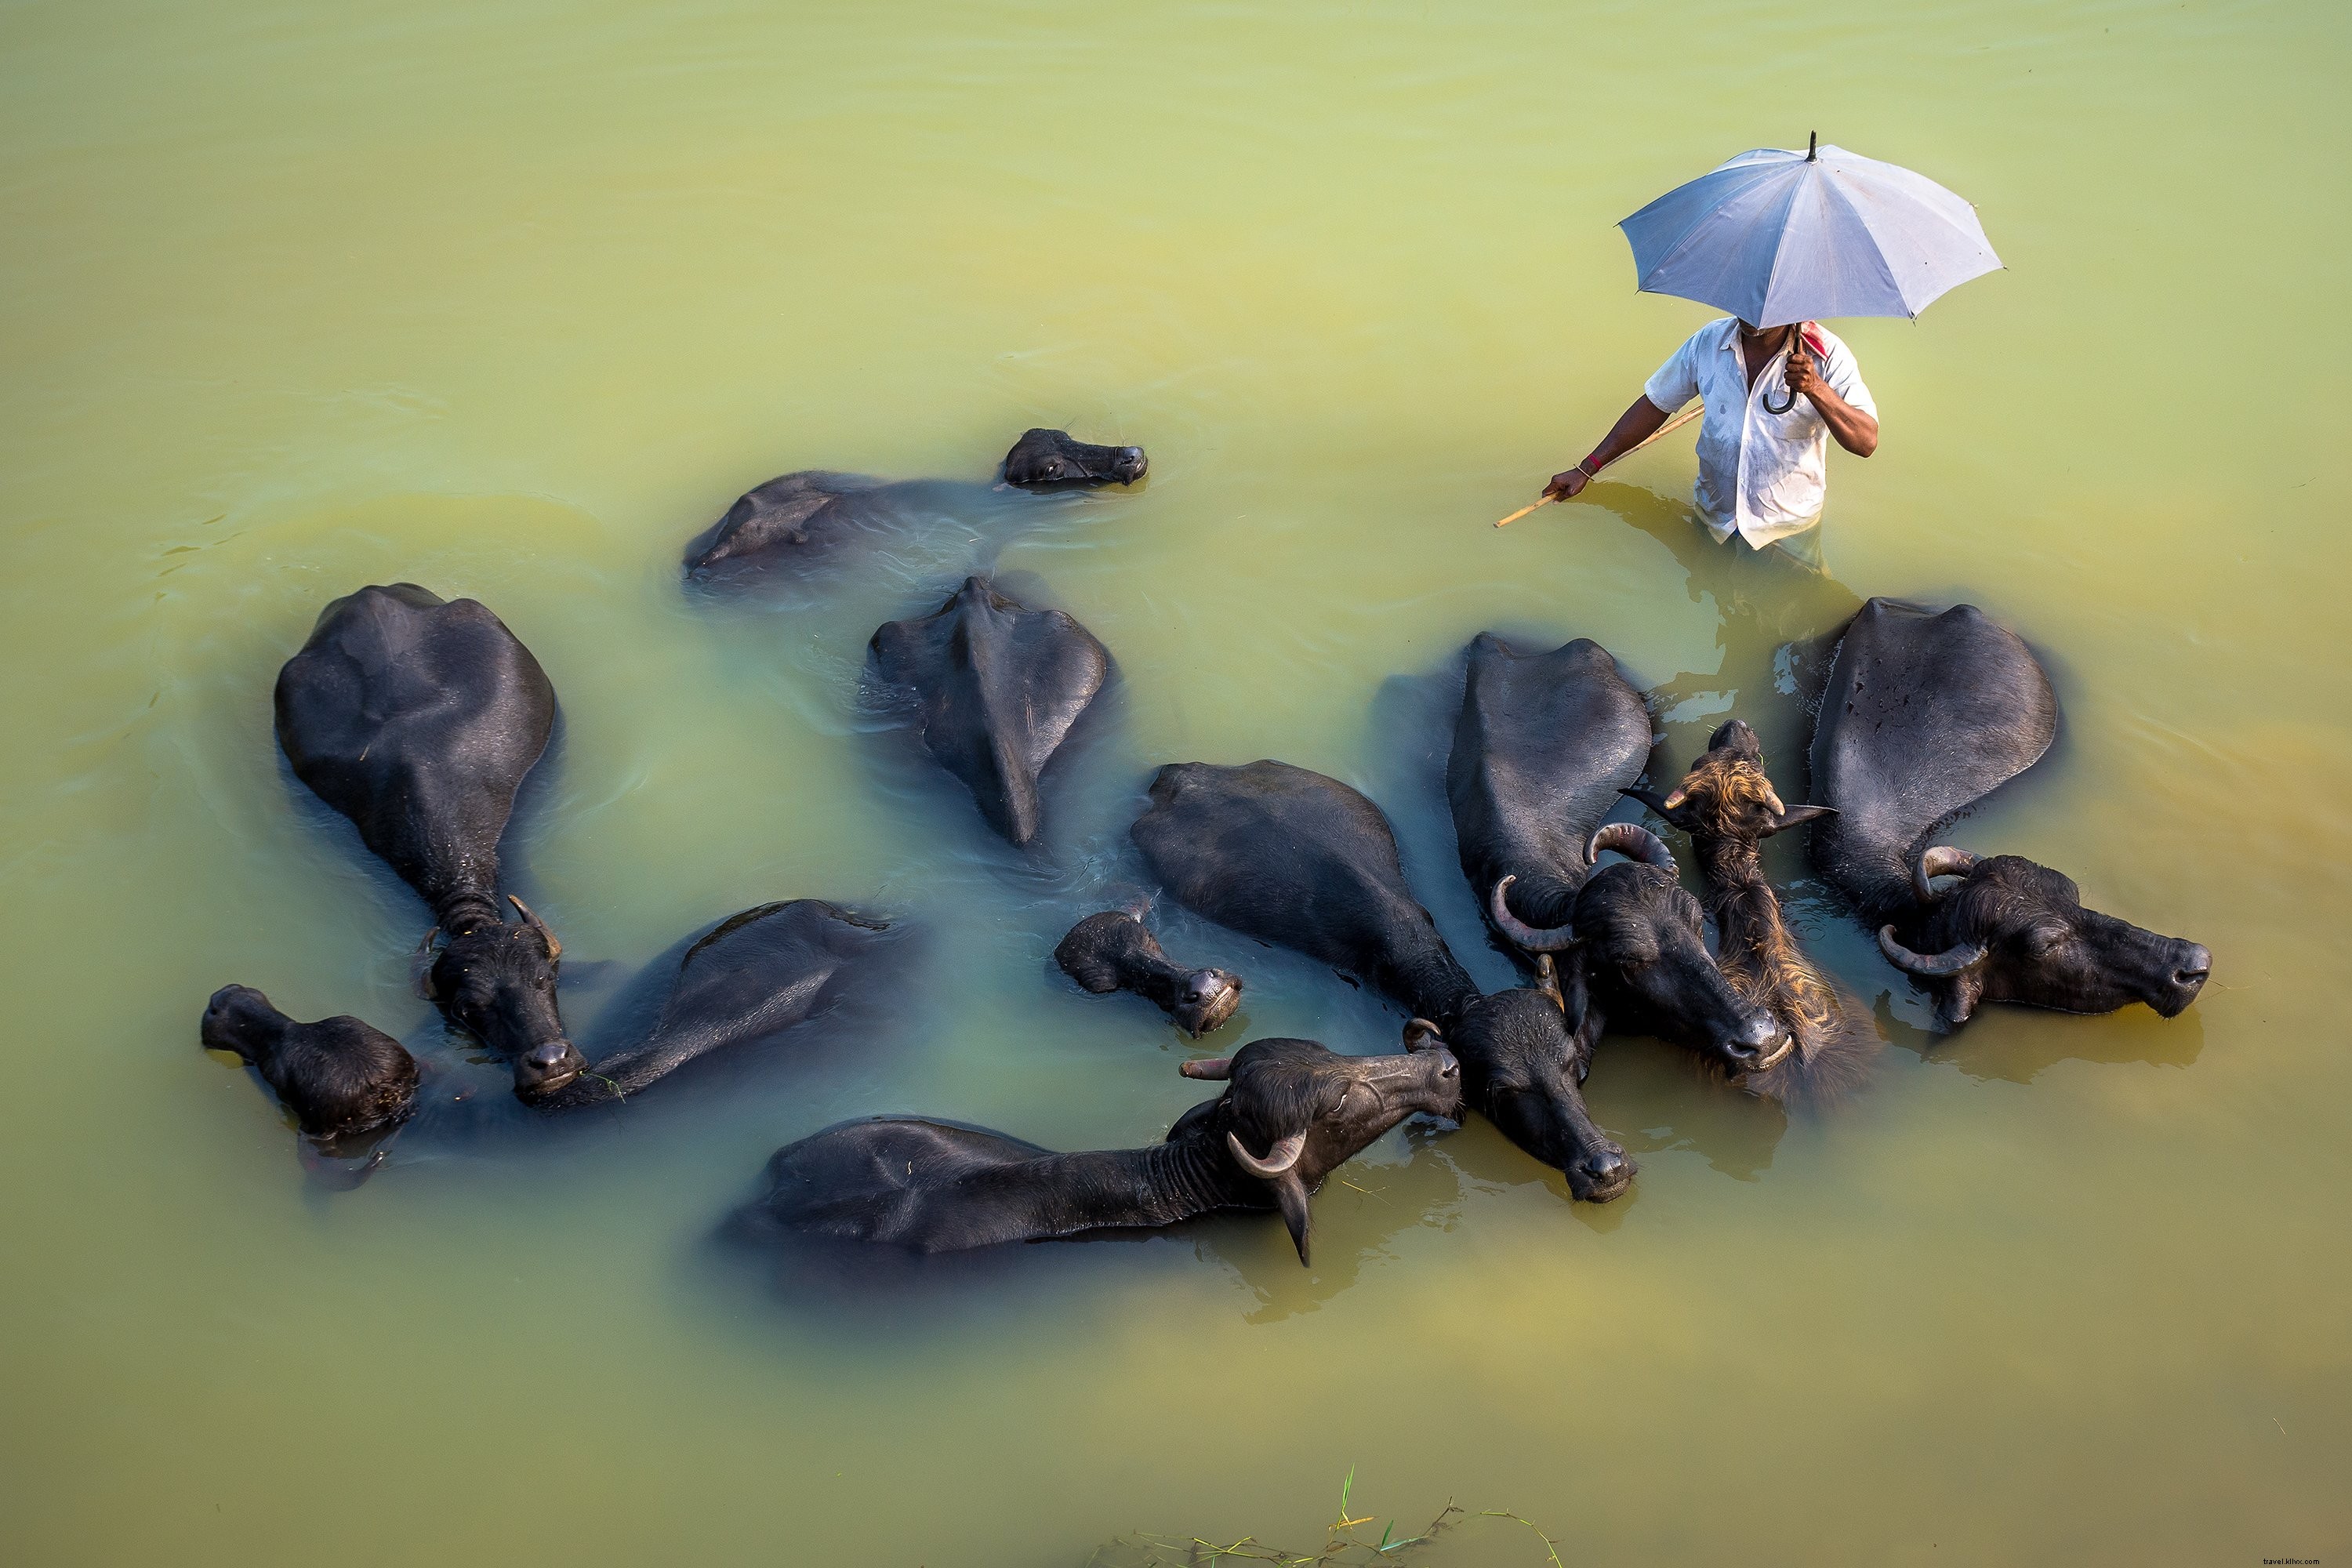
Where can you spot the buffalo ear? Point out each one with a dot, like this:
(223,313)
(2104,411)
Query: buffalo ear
(1796,816)
(1651,798)
(1290,1196)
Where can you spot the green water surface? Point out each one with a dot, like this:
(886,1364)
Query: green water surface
(510,300)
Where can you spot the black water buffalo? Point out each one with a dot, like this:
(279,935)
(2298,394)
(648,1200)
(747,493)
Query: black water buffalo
(1728,806)
(749,980)
(755,975)
(802,518)
(1294,858)
(1924,715)
(417,717)
(1291,1113)
(997,687)
(341,1078)
(1112,951)
(1543,747)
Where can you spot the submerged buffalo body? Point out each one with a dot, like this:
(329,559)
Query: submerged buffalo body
(1298,859)
(1544,746)
(417,717)
(755,975)
(752,978)
(1292,1112)
(997,688)
(1923,715)
(1112,951)
(804,519)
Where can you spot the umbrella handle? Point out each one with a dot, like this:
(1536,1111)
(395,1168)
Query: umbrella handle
(1796,346)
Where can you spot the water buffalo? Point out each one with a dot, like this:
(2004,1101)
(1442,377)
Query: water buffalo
(1728,806)
(1294,858)
(997,687)
(1544,745)
(803,518)
(417,717)
(1112,951)
(750,979)
(341,1078)
(1291,1113)
(755,975)
(1923,715)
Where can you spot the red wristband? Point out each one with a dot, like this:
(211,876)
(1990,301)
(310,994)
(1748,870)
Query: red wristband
(1592,473)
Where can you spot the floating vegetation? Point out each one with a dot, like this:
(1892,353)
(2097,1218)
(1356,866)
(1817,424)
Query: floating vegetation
(1345,1544)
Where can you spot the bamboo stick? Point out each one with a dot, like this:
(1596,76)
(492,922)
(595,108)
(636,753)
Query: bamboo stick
(1677,422)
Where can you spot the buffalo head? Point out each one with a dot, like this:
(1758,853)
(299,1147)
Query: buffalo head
(1050,458)
(2015,931)
(1533,1045)
(339,1077)
(496,980)
(1643,940)
(1293,1112)
(1727,794)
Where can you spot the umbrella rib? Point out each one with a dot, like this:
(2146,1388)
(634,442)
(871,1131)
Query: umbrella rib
(1779,245)
(1690,230)
(1878,248)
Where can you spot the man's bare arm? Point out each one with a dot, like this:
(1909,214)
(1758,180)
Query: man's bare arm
(1856,431)
(1635,426)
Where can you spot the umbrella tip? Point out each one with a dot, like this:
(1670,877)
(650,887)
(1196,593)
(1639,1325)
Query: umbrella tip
(1812,146)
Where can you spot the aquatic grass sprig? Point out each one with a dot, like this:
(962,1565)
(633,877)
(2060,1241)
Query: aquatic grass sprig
(1342,1548)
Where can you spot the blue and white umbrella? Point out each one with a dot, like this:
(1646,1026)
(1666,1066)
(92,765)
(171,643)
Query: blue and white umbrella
(1776,237)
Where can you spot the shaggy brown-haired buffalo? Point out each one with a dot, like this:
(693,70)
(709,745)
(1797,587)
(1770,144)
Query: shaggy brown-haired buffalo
(1291,1113)
(1728,806)
(1924,715)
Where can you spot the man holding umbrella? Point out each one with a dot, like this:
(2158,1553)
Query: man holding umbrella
(1761,457)
(1778,238)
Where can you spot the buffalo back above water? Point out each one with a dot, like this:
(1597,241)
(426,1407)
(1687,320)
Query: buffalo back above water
(1924,715)
(1541,748)
(417,717)
(997,687)
(1303,861)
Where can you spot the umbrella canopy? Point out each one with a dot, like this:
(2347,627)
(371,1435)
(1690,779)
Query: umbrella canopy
(1775,236)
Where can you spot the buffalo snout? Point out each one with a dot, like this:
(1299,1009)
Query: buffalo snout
(2192,966)
(1209,998)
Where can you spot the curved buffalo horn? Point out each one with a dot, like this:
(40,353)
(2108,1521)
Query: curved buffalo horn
(1420,1035)
(1207,1067)
(1559,939)
(554,948)
(1954,961)
(1278,1159)
(1633,841)
(1939,860)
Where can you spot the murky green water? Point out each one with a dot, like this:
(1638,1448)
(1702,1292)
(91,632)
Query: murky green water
(511,301)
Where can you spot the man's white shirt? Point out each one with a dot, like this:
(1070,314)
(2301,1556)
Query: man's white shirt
(1758,472)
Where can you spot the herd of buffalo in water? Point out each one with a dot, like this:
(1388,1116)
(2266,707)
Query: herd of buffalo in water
(417,718)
